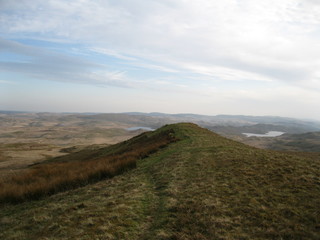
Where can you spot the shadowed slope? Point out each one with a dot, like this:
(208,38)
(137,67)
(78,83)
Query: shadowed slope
(201,187)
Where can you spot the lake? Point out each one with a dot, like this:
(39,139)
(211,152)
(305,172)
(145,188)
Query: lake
(140,128)
(268,134)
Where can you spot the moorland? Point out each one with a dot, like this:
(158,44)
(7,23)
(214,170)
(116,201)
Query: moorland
(84,176)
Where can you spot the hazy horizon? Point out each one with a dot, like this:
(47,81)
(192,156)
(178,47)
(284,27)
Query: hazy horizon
(256,58)
(165,113)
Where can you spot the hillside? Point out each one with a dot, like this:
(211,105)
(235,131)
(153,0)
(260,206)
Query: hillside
(309,142)
(304,142)
(203,186)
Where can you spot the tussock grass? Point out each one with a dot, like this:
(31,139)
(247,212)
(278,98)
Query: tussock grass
(69,172)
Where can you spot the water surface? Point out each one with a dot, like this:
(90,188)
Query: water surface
(268,134)
(140,128)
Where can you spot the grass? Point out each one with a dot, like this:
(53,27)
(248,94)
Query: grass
(73,171)
(201,187)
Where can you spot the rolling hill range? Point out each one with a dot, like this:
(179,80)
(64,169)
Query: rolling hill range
(302,142)
(48,133)
(198,185)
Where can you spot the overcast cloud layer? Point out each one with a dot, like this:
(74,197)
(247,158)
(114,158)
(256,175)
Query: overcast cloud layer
(231,56)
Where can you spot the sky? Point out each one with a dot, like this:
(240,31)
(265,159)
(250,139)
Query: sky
(207,57)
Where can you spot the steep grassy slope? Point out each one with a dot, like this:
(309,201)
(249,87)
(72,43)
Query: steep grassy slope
(201,187)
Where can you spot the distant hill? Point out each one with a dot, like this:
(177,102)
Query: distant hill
(257,129)
(88,128)
(289,124)
(203,186)
(309,142)
(304,142)
(156,120)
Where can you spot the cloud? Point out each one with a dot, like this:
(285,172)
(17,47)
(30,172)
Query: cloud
(6,82)
(225,48)
(111,52)
(47,65)
(276,39)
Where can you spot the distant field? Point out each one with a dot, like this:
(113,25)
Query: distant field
(80,168)
(28,138)
(16,156)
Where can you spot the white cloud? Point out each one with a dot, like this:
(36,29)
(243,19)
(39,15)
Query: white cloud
(6,82)
(253,36)
(111,52)
(193,41)
(47,65)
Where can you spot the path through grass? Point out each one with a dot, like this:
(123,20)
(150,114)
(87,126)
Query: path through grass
(202,187)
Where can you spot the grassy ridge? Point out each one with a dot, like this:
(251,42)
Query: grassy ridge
(216,188)
(201,187)
(74,170)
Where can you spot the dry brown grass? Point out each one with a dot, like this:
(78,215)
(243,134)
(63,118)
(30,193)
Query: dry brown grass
(56,176)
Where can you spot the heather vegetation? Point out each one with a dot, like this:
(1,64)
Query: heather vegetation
(203,186)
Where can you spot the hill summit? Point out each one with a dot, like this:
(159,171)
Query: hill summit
(199,186)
